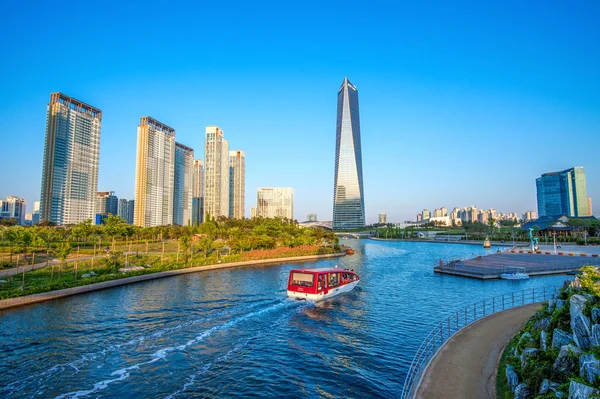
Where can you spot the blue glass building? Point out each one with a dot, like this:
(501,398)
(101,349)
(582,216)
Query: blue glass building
(562,193)
(348,197)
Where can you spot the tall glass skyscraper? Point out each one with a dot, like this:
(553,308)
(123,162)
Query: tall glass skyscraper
(71,155)
(348,197)
(563,193)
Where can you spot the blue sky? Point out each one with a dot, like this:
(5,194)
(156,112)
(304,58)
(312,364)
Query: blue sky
(462,103)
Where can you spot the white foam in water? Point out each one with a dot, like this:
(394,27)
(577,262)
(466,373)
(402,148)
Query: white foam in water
(19,385)
(162,353)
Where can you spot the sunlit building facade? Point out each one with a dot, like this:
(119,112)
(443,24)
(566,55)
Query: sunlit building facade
(274,202)
(13,208)
(126,209)
(182,187)
(216,173)
(563,193)
(348,197)
(71,156)
(197,193)
(154,174)
(237,184)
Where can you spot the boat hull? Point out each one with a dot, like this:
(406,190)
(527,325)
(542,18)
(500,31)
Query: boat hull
(514,276)
(335,291)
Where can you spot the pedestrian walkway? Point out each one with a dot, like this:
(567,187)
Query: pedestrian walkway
(466,366)
(19,270)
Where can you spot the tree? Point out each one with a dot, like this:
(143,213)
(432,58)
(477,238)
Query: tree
(184,245)
(47,235)
(114,226)
(205,243)
(63,251)
(24,240)
(11,235)
(492,224)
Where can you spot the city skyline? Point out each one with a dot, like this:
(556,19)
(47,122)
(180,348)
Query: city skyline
(458,111)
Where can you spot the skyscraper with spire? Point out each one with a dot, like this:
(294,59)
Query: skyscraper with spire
(348,197)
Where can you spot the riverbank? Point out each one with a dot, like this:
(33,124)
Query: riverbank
(465,367)
(466,242)
(46,296)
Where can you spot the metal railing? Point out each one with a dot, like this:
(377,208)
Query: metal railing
(461,319)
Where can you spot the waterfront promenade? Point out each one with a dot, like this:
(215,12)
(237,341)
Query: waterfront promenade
(466,366)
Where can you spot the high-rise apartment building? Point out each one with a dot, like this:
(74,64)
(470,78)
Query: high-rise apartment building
(216,173)
(562,193)
(14,208)
(382,218)
(425,214)
(126,209)
(197,193)
(254,212)
(107,203)
(71,156)
(311,217)
(35,216)
(455,215)
(182,187)
(529,215)
(275,202)
(154,173)
(237,184)
(348,196)
(590,209)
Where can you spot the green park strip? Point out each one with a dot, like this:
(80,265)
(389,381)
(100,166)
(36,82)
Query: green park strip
(41,286)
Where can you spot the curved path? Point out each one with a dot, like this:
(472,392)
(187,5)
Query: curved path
(466,366)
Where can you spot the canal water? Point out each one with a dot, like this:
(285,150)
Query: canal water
(234,334)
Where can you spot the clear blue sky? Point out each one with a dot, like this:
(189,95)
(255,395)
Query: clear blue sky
(462,103)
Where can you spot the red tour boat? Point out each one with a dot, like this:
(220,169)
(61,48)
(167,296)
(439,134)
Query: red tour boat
(322,283)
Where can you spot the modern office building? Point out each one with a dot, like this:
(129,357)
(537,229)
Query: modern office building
(237,184)
(182,188)
(216,173)
(348,196)
(154,173)
(274,202)
(14,208)
(126,209)
(311,217)
(107,203)
(197,193)
(562,193)
(382,218)
(71,155)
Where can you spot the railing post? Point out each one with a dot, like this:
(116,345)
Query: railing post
(513,299)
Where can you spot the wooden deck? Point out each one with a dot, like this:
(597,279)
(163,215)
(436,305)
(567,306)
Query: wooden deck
(491,266)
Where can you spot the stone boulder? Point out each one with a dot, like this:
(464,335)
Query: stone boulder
(548,385)
(560,303)
(567,361)
(578,390)
(512,378)
(551,303)
(543,340)
(582,334)
(522,391)
(560,338)
(596,334)
(578,303)
(595,315)
(542,324)
(528,354)
(589,368)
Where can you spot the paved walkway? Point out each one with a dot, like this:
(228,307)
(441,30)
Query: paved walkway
(466,366)
(19,270)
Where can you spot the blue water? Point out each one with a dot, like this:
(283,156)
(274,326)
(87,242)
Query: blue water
(234,334)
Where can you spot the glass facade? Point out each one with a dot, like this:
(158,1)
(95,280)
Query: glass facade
(183,182)
(563,193)
(71,156)
(348,197)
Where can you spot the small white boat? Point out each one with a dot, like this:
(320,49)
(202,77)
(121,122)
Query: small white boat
(320,283)
(487,243)
(514,273)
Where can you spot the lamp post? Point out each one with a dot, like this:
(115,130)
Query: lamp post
(554,236)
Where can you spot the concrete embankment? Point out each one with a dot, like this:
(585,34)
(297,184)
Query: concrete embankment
(46,296)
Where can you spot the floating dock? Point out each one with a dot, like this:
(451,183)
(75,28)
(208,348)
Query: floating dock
(536,264)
